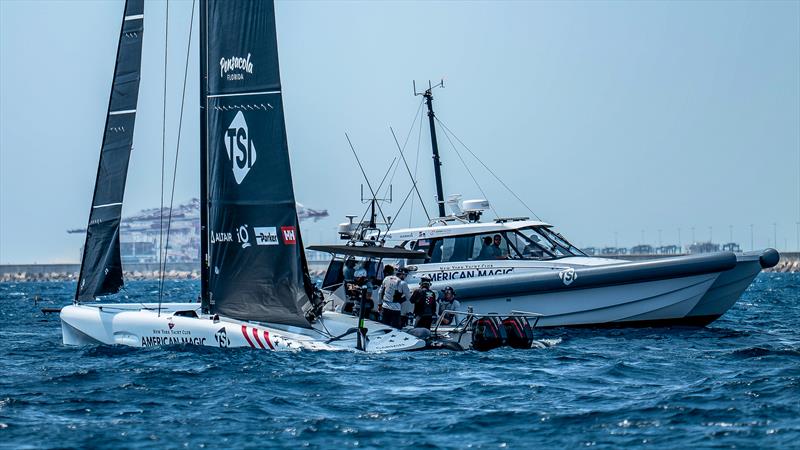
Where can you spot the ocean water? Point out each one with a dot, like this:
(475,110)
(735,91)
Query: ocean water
(735,383)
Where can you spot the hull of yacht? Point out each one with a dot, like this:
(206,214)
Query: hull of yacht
(688,290)
(730,285)
(142,325)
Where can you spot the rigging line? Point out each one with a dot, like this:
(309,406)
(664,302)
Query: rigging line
(408,135)
(489,169)
(163,152)
(447,135)
(416,170)
(389,186)
(177,152)
(369,185)
(410,191)
(408,169)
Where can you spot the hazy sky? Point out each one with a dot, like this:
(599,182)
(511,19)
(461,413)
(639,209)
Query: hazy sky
(604,117)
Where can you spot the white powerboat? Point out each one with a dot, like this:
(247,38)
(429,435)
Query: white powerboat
(518,264)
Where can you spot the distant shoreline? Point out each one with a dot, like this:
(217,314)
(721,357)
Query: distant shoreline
(141,271)
(790,262)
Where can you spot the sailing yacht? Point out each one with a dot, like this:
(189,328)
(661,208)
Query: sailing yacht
(255,288)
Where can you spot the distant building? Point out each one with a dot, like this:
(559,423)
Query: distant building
(139,234)
(642,249)
(668,250)
(703,247)
(731,247)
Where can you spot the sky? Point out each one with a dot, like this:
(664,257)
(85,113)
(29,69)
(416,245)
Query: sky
(611,120)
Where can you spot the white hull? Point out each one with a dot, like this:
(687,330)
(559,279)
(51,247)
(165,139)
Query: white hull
(140,325)
(622,305)
(692,290)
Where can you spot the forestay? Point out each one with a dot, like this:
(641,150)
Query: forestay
(256,264)
(101,264)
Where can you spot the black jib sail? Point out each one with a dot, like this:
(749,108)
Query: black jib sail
(256,263)
(101,265)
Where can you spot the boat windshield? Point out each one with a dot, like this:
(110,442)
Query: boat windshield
(545,239)
(526,243)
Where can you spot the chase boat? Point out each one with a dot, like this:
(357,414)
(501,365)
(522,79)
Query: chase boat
(531,267)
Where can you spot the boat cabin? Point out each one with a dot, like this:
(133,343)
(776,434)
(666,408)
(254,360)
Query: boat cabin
(450,243)
(519,239)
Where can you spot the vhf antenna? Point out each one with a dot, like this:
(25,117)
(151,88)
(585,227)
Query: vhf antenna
(437,163)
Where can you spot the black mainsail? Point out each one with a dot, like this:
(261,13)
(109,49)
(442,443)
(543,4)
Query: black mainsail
(101,265)
(256,264)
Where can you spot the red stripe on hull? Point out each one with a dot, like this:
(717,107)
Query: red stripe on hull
(266,338)
(255,335)
(244,332)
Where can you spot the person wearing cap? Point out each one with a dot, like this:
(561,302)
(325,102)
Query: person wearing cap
(394,291)
(424,300)
(448,302)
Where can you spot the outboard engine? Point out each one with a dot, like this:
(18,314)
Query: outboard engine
(519,332)
(488,334)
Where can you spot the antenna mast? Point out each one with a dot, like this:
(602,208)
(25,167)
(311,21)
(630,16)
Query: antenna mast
(437,163)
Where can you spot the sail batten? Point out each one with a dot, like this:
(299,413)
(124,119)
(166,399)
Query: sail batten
(101,264)
(256,264)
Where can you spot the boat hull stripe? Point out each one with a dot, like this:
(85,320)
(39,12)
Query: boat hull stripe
(266,338)
(255,335)
(244,332)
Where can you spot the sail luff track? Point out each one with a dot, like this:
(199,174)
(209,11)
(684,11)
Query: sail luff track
(101,263)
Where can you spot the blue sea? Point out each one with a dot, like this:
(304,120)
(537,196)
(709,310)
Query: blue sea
(735,383)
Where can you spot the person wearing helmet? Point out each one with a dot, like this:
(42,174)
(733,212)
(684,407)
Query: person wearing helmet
(424,300)
(394,291)
(348,272)
(354,290)
(448,302)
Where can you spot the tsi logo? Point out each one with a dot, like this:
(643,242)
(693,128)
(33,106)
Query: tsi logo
(568,276)
(241,150)
(266,235)
(289,235)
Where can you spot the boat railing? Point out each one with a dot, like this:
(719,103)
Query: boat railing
(464,324)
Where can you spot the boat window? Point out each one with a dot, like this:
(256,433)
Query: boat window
(472,248)
(544,244)
(561,242)
(334,275)
(451,249)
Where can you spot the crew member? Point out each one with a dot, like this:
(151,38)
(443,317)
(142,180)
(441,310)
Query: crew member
(424,300)
(487,250)
(394,291)
(496,249)
(348,272)
(448,302)
(353,292)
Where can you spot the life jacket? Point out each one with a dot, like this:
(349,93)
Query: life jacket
(425,303)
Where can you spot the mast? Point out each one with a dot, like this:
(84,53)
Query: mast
(437,163)
(101,262)
(203,48)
